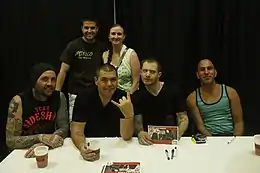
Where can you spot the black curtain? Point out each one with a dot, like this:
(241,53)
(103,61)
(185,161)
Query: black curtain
(38,31)
(180,33)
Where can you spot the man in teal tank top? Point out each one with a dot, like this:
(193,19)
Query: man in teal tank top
(216,108)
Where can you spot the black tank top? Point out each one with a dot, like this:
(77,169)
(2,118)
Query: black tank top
(39,116)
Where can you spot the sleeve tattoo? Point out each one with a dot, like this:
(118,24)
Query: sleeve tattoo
(79,133)
(181,117)
(138,123)
(183,122)
(14,140)
(62,120)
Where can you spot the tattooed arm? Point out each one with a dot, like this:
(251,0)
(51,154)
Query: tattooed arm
(183,122)
(77,133)
(138,119)
(62,118)
(14,140)
(143,137)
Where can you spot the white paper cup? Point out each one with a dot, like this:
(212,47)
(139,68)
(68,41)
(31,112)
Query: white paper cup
(257,144)
(41,154)
(94,147)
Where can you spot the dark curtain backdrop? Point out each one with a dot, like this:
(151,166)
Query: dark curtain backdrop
(36,31)
(177,32)
(180,33)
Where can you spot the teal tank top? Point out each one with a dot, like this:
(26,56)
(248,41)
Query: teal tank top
(216,116)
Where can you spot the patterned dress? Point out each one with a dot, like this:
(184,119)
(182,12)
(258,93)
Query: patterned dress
(124,70)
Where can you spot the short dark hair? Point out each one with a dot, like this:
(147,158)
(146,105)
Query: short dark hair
(89,20)
(205,59)
(105,67)
(152,60)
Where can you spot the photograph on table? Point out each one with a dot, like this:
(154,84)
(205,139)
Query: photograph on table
(164,134)
(122,167)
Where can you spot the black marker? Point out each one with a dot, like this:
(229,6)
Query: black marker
(167,154)
(172,153)
(229,142)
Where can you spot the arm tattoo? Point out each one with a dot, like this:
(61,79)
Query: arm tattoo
(14,129)
(13,107)
(183,122)
(138,123)
(79,134)
(61,132)
(62,118)
(19,142)
(181,117)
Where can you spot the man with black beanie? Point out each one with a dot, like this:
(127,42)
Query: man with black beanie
(37,116)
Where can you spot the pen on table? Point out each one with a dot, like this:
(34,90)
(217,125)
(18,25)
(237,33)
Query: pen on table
(175,153)
(172,153)
(229,142)
(167,154)
(102,170)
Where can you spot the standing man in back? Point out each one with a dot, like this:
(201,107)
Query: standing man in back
(80,59)
(216,107)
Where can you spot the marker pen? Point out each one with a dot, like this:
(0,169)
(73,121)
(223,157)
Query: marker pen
(167,154)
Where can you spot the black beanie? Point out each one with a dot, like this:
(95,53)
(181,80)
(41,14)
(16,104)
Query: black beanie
(38,70)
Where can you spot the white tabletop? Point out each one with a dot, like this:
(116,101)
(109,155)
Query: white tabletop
(215,157)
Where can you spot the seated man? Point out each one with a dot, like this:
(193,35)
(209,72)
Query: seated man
(37,116)
(216,107)
(97,112)
(158,103)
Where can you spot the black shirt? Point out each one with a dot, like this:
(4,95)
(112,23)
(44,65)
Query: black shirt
(83,58)
(39,117)
(161,109)
(101,121)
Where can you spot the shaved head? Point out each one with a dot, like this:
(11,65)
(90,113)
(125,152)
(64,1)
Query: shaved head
(204,63)
(206,72)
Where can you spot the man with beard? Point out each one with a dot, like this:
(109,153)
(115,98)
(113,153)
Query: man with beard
(216,107)
(158,103)
(101,111)
(38,116)
(80,59)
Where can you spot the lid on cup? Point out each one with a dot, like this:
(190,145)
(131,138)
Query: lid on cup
(41,150)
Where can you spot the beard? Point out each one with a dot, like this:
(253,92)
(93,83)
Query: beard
(42,95)
(89,37)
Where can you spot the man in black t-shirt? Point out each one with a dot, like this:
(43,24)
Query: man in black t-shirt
(38,116)
(157,103)
(101,111)
(80,60)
